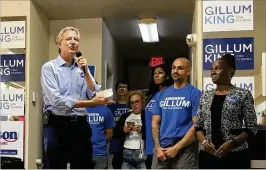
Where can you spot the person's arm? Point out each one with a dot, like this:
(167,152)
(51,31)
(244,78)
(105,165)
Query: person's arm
(250,130)
(250,120)
(200,119)
(156,120)
(92,86)
(91,103)
(90,81)
(199,128)
(83,65)
(156,123)
(108,134)
(109,124)
(50,88)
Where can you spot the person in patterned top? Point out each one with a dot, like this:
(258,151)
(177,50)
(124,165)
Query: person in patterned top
(226,120)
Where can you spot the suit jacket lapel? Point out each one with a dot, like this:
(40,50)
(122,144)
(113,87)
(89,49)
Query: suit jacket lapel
(226,106)
(209,99)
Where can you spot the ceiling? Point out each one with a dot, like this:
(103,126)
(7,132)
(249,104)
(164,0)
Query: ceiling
(174,17)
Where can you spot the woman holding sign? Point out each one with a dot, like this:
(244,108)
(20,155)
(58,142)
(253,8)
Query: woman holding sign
(219,125)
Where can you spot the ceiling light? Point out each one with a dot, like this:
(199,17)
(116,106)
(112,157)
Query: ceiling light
(148,30)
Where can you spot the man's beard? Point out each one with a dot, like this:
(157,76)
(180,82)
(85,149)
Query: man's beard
(176,77)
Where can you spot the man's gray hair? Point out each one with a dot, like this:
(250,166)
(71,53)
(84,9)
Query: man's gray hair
(59,37)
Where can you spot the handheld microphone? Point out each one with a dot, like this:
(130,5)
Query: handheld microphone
(79,54)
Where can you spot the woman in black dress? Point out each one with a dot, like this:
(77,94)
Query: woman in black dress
(226,120)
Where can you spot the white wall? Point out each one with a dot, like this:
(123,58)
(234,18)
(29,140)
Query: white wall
(14,8)
(109,54)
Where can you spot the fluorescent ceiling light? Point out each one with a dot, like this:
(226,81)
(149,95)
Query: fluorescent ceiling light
(148,30)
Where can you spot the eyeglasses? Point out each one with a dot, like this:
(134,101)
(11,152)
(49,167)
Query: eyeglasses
(134,102)
(122,87)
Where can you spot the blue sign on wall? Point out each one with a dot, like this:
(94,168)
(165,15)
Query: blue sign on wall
(12,67)
(92,69)
(241,48)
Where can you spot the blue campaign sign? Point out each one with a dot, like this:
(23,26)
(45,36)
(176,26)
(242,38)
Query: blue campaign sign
(12,67)
(241,48)
(92,69)
(118,110)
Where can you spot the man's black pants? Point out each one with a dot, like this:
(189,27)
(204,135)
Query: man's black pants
(69,140)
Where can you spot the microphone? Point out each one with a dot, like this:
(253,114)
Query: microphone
(79,54)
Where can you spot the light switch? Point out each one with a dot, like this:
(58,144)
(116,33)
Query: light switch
(34,96)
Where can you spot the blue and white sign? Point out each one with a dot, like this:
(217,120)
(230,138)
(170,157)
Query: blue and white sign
(118,110)
(12,139)
(242,82)
(12,34)
(12,102)
(241,48)
(92,69)
(12,67)
(227,15)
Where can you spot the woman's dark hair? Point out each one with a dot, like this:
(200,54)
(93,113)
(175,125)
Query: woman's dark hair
(122,82)
(230,62)
(154,88)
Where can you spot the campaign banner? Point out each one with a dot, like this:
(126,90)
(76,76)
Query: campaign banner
(12,139)
(12,67)
(118,110)
(241,48)
(227,16)
(12,34)
(242,82)
(12,102)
